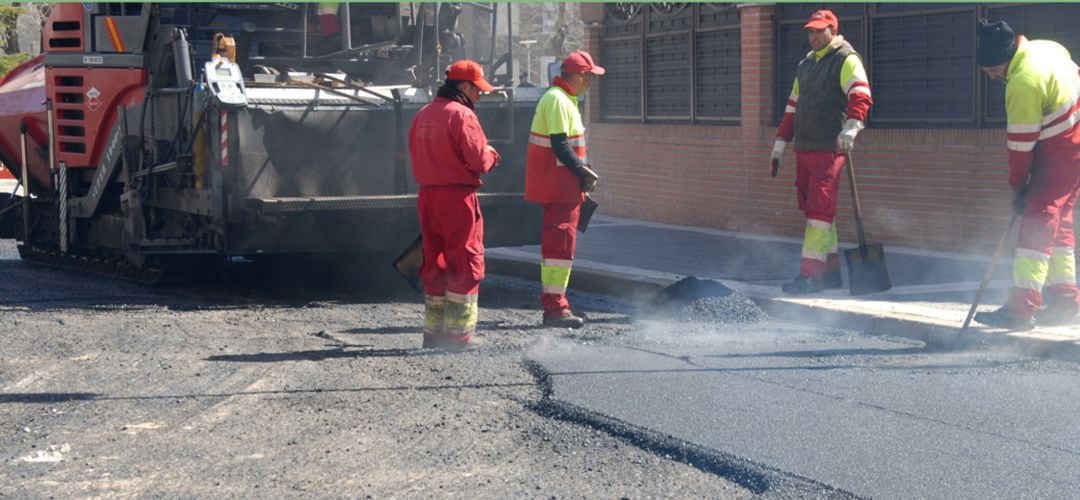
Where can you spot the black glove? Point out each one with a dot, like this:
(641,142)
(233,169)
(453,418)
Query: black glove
(561,147)
(1019,201)
(588,178)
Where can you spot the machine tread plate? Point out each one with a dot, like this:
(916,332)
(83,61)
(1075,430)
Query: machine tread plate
(110,268)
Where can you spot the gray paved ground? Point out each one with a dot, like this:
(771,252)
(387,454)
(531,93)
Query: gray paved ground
(720,255)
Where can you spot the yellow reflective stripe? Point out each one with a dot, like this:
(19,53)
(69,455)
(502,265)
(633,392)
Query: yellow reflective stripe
(554,275)
(328,8)
(434,317)
(817,240)
(1062,269)
(1030,268)
(461,318)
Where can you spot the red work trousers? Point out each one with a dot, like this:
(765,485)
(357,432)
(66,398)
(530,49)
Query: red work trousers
(557,241)
(453,234)
(817,178)
(1047,224)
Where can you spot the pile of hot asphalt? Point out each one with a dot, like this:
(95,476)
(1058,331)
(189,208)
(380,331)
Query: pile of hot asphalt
(693,299)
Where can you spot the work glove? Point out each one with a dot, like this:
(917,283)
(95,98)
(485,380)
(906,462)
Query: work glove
(777,156)
(1019,201)
(846,140)
(587,177)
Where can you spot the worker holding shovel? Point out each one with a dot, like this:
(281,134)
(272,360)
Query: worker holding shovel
(825,111)
(1042,103)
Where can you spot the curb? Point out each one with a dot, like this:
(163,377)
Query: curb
(640,285)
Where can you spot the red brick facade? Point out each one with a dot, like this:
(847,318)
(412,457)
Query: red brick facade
(935,189)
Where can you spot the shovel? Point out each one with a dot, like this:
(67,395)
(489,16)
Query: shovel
(410,261)
(986,277)
(866,264)
(588,208)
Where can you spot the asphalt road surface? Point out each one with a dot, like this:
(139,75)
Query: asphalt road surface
(869,416)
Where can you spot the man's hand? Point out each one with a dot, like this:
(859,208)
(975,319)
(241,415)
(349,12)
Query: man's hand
(777,156)
(846,140)
(1019,201)
(494,152)
(588,178)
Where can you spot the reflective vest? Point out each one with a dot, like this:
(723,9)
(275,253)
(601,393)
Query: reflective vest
(547,180)
(1042,101)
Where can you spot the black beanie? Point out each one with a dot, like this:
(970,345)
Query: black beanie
(997,43)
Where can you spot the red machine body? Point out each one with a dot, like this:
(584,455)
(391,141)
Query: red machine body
(22,101)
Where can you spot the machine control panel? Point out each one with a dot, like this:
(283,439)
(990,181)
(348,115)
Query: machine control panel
(225,83)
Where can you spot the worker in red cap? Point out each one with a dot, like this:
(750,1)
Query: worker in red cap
(557,176)
(1042,107)
(826,109)
(449,154)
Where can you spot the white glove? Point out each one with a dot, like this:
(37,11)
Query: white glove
(846,140)
(777,156)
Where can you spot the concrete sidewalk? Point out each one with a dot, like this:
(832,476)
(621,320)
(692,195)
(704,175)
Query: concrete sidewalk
(931,294)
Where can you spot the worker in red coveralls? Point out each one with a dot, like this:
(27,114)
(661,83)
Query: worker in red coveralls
(449,154)
(1042,103)
(557,176)
(825,111)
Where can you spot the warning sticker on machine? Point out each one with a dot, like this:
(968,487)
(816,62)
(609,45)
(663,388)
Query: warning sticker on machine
(92,101)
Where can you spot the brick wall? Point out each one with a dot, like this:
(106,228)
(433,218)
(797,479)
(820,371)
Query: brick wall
(921,188)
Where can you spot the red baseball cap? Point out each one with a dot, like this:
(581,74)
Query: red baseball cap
(821,19)
(469,71)
(580,61)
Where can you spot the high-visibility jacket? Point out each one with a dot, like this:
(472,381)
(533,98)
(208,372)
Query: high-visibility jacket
(1042,101)
(448,147)
(547,180)
(852,82)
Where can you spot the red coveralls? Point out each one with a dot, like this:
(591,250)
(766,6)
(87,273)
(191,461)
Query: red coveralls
(1042,101)
(449,153)
(557,189)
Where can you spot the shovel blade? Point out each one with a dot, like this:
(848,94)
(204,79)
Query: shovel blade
(410,261)
(866,269)
(588,208)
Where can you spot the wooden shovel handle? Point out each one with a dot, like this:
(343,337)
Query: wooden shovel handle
(855,200)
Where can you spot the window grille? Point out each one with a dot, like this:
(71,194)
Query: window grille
(924,67)
(671,61)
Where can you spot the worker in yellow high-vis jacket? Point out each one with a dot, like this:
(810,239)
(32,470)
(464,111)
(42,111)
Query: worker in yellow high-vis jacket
(1042,103)
(557,176)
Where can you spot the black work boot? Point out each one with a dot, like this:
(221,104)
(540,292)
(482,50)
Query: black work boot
(1002,318)
(803,285)
(1057,316)
(564,320)
(832,280)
